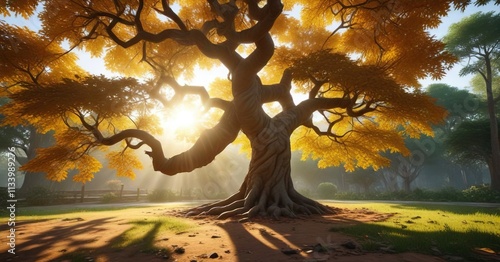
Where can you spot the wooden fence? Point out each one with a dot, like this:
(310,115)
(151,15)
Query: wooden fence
(83,195)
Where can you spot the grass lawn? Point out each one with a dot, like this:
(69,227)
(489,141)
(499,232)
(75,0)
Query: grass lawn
(442,230)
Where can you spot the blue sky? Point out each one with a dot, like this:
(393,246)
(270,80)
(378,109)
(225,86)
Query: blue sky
(452,77)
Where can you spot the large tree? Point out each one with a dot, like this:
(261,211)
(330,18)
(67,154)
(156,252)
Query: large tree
(356,62)
(477,38)
(470,143)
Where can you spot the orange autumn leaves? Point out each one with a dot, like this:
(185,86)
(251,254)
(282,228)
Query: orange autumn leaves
(51,92)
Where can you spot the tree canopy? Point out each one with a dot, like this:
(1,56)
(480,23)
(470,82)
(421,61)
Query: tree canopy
(355,63)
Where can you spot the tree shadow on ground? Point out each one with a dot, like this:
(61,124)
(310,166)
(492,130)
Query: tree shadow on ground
(59,233)
(287,239)
(80,240)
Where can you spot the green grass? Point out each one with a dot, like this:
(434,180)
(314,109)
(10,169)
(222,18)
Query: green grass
(430,229)
(144,232)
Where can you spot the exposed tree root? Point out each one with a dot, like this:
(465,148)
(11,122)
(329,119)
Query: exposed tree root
(292,205)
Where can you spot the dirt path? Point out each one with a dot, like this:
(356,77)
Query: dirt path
(92,236)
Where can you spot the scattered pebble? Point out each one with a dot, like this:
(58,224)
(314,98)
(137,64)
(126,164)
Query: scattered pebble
(349,245)
(289,251)
(180,250)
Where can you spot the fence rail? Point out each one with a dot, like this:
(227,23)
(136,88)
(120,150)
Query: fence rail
(121,194)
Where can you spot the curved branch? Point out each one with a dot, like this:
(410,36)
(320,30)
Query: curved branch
(279,92)
(252,35)
(305,109)
(156,152)
(254,11)
(210,143)
(168,12)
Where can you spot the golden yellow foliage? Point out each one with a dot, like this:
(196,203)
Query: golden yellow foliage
(358,141)
(87,166)
(23,8)
(221,88)
(124,162)
(27,57)
(48,90)
(391,34)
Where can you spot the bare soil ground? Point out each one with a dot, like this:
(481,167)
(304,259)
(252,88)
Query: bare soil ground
(89,237)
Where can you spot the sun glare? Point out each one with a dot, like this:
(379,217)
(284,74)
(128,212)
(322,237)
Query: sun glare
(181,118)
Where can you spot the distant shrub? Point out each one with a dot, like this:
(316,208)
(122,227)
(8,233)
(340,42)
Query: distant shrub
(327,190)
(114,184)
(161,195)
(449,194)
(109,198)
(472,194)
(40,196)
(481,194)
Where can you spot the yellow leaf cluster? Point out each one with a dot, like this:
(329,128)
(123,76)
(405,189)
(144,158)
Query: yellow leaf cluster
(87,167)
(26,55)
(149,123)
(361,148)
(391,34)
(124,163)
(244,143)
(56,161)
(220,88)
(24,8)
(358,141)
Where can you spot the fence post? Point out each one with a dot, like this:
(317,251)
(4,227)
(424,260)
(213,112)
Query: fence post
(121,191)
(82,194)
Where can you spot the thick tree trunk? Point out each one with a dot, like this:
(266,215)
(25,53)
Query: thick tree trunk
(267,189)
(406,184)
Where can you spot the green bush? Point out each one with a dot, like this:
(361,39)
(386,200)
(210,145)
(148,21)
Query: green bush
(448,194)
(40,196)
(110,198)
(472,194)
(161,195)
(481,194)
(327,190)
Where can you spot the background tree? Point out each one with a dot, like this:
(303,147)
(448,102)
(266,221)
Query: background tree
(364,179)
(477,38)
(470,143)
(354,110)
(462,106)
